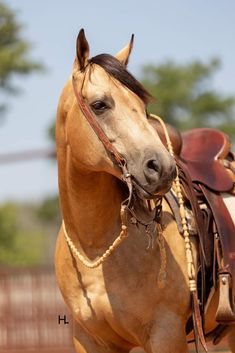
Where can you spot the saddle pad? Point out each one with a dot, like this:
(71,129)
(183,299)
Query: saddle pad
(229,201)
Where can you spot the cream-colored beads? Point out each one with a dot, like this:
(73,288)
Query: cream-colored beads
(123,234)
(179,195)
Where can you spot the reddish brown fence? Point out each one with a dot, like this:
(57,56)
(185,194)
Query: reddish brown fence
(31,308)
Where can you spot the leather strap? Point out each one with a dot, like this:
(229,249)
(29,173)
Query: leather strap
(96,127)
(197,323)
(189,191)
(226,230)
(174,206)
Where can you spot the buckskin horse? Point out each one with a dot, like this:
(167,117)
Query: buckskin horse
(127,271)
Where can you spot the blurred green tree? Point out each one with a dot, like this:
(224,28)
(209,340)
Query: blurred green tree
(185,97)
(14,53)
(22,243)
(48,211)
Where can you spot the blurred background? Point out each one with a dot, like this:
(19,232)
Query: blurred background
(183,54)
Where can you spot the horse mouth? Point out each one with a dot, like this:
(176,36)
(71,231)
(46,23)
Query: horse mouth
(142,192)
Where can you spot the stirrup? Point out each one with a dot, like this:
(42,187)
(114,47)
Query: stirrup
(225,313)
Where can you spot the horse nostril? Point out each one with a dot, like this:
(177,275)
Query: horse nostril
(152,164)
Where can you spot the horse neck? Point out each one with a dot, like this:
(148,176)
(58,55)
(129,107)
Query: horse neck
(90,204)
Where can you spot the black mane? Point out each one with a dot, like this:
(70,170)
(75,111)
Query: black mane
(117,70)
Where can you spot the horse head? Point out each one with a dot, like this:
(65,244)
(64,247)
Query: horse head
(117,101)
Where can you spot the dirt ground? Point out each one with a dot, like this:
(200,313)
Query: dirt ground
(221,348)
(211,349)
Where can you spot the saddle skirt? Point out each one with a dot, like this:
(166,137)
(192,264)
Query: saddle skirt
(204,151)
(207,157)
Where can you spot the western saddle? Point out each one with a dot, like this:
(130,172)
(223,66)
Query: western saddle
(206,168)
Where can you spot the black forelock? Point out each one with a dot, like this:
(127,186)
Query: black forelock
(117,70)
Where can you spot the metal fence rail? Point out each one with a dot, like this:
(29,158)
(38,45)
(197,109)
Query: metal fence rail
(30,305)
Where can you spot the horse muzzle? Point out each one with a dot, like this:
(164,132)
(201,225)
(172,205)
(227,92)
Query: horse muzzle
(156,177)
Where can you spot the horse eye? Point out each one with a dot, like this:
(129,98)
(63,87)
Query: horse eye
(99,106)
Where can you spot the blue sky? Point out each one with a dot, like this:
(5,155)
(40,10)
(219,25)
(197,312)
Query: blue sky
(170,29)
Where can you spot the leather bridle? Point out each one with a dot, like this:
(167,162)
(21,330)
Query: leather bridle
(120,160)
(96,127)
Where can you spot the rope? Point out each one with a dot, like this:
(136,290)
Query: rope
(179,195)
(123,234)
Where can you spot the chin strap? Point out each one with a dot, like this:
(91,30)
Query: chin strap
(197,320)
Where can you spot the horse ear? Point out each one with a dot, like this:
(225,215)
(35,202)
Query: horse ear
(82,50)
(123,55)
